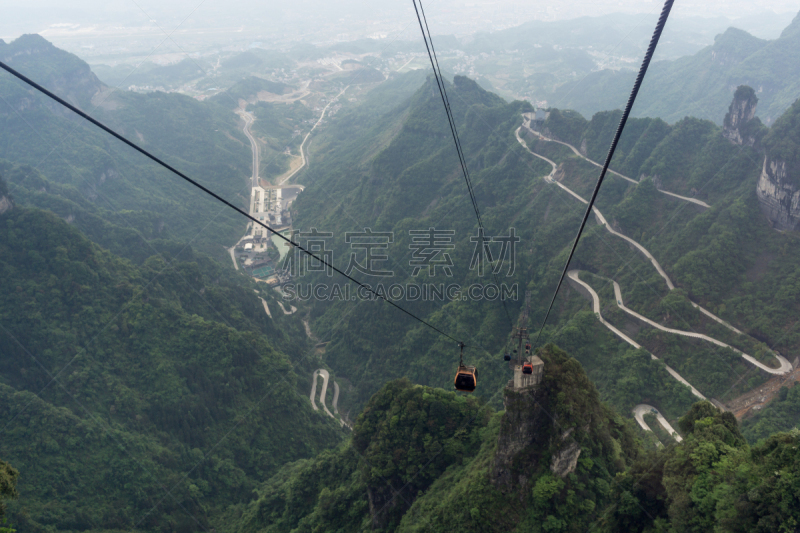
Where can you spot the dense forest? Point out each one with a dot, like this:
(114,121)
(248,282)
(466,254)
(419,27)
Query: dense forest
(117,379)
(204,139)
(725,258)
(392,476)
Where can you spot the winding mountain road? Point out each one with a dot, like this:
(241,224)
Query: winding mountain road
(266,307)
(573,275)
(325,377)
(526,125)
(248,121)
(784,365)
(305,139)
(642,409)
(292,309)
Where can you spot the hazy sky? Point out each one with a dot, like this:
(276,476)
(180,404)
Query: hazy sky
(98,26)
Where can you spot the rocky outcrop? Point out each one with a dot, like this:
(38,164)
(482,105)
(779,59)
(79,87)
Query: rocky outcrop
(557,429)
(741,111)
(5,199)
(566,460)
(778,195)
(778,186)
(524,434)
(529,437)
(5,204)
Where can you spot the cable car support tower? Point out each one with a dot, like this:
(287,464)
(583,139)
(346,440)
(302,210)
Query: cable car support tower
(528,369)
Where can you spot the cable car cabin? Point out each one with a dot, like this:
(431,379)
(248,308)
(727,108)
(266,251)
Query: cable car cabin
(528,347)
(507,357)
(466,378)
(527,368)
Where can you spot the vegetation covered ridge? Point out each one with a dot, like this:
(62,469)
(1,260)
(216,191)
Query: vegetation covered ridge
(556,459)
(173,390)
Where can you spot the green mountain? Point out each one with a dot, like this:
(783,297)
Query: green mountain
(143,386)
(395,170)
(699,85)
(555,460)
(203,139)
(162,387)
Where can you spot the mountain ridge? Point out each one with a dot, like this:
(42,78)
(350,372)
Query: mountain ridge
(698,85)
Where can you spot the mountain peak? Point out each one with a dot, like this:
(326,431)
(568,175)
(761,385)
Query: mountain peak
(33,40)
(793,29)
(734,46)
(741,111)
(60,71)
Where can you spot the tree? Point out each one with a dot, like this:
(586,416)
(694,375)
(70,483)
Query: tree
(8,490)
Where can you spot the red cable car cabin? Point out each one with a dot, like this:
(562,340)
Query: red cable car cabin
(466,378)
(527,368)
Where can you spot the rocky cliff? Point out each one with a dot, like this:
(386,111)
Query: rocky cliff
(741,111)
(779,197)
(5,199)
(778,186)
(546,430)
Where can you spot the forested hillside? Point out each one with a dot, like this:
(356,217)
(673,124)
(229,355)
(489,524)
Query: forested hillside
(202,138)
(163,387)
(555,460)
(144,386)
(725,258)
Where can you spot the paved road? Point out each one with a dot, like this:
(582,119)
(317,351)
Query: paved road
(642,409)
(404,66)
(325,377)
(266,307)
(233,258)
(785,366)
(335,397)
(599,216)
(302,145)
(248,121)
(527,123)
(573,275)
(292,309)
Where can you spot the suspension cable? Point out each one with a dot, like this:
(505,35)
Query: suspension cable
(662,20)
(437,73)
(180,174)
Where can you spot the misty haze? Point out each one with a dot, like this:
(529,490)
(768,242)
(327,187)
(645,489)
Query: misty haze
(423,266)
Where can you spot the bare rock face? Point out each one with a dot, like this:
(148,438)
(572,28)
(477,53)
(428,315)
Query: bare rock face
(779,197)
(5,204)
(528,437)
(778,188)
(741,111)
(566,460)
(525,430)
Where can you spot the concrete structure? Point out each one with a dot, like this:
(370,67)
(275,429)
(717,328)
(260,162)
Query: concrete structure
(526,381)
